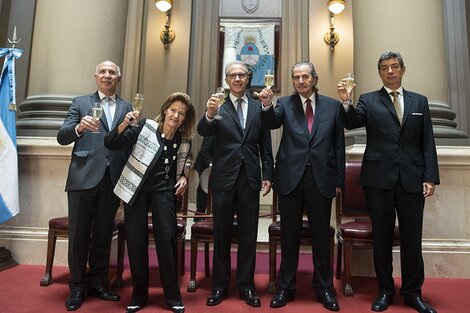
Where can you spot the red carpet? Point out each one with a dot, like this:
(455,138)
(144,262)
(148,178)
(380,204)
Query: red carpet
(20,293)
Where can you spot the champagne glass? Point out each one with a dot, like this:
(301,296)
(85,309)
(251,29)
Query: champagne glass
(97,112)
(220,93)
(137,105)
(269,78)
(349,80)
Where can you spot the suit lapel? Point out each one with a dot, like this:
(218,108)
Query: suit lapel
(300,114)
(118,111)
(251,107)
(317,116)
(407,105)
(230,107)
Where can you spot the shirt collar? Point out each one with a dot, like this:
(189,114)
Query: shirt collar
(303,99)
(102,95)
(400,90)
(234,98)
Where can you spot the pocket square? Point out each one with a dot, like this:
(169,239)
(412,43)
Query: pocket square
(416,113)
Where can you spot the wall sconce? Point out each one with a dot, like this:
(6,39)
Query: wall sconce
(167,35)
(331,38)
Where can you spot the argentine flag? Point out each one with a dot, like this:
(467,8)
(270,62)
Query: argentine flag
(253,44)
(9,202)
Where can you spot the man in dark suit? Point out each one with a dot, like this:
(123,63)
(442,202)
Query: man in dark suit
(203,160)
(309,170)
(93,172)
(399,170)
(242,165)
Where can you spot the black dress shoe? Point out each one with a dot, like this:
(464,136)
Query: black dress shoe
(74,301)
(419,305)
(131,308)
(328,299)
(250,297)
(281,298)
(217,297)
(382,302)
(177,309)
(103,294)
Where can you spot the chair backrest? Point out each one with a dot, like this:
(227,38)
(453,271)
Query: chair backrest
(351,201)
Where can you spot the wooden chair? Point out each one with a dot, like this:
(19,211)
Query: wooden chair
(59,228)
(274,231)
(203,232)
(182,214)
(353,225)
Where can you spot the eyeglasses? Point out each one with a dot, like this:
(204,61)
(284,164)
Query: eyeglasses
(240,75)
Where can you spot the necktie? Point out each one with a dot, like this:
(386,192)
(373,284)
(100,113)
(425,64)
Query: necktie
(309,114)
(107,111)
(240,112)
(396,104)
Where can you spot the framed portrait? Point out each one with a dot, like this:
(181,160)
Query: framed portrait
(255,42)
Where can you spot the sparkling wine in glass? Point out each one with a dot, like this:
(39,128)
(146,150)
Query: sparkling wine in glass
(349,83)
(269,78)
(137,105)
(220,93)
(97,112)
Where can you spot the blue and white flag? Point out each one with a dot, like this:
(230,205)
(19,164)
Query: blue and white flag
(253,44)
(9,202)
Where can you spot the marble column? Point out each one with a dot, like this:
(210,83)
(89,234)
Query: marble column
(70,38)
(408,31)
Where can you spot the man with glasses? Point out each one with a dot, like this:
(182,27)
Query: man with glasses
(399,170)
(242,166)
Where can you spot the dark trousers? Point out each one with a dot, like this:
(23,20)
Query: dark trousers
(162,204)
(91,222)
(385,206)
(318,208)
(246,202)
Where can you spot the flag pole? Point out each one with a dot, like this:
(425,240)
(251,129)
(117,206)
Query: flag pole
(6,259)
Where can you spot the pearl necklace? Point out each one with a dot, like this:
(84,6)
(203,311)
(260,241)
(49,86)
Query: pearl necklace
(168,164)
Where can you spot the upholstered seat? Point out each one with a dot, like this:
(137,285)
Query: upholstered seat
(354,229)
(274,231)
(203,232)
(59,227)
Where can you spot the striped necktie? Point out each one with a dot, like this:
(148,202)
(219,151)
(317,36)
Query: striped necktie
(397,105)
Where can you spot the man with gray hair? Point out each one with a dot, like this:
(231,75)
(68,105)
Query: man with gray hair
(309,172)
(242,166)
(93,173)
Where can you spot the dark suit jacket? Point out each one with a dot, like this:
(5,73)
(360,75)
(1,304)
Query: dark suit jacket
(234,147)
(90,158)
(323,149)
(204,157)
(392,152)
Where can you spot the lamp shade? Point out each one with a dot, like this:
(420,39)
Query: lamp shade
(163,5)
(336,6)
